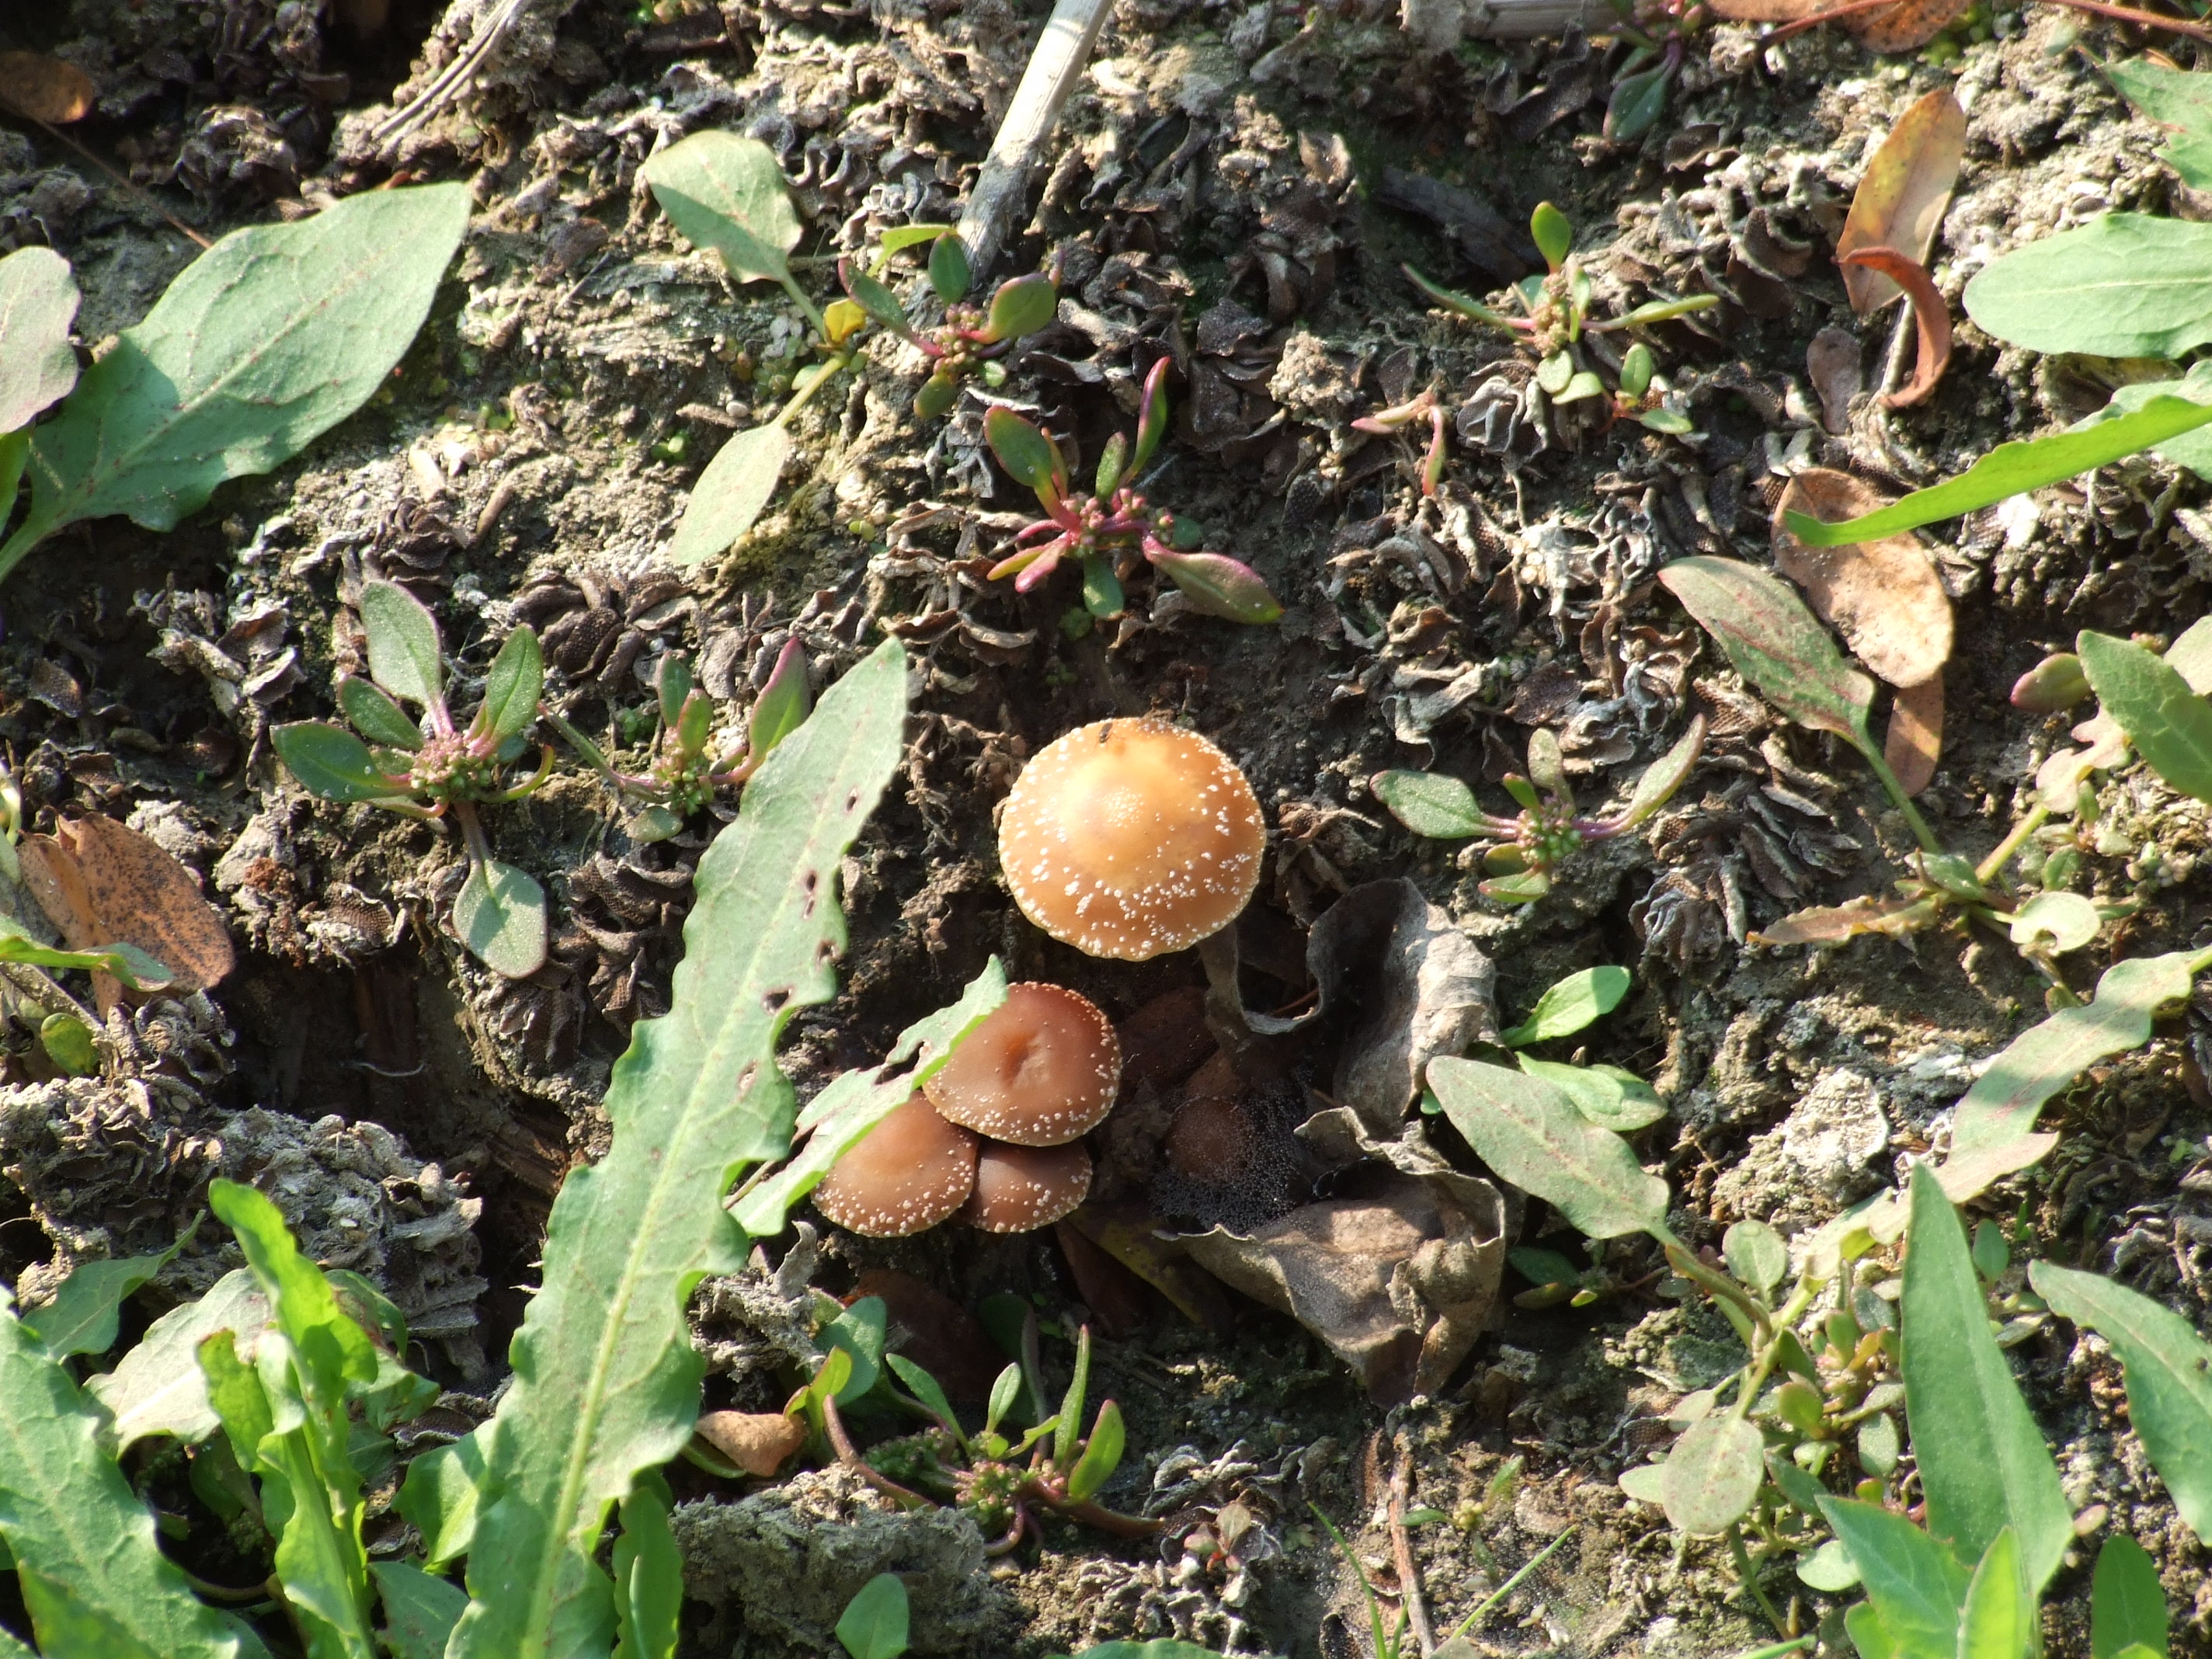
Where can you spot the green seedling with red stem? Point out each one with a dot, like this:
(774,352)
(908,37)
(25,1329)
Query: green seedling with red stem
(973,339)
(1109,531)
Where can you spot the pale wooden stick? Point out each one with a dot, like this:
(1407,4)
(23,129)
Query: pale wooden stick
(1058,63)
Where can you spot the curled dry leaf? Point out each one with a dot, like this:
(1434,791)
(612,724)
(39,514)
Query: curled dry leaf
(1931,316)
(1899,202)
(44,88)
(1915,739)
(102,882)
(759,1443)
(1883,595)
(1894,913)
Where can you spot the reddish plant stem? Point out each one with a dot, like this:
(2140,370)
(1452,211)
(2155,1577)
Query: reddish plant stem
(841,1444)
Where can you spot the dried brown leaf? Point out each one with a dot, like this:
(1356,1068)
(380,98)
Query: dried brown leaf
(1901,195)
(1831,362)
(102,882)
(1906,27)
(44,88)
(1931,316)
(1884,596)
(1765,11)
(1833,924)
(759,1443)
(1914,740)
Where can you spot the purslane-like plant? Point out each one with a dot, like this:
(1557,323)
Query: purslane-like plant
(972,340)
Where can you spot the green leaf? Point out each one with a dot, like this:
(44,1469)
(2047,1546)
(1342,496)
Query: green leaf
(1879,1444)
(2066,920)
(1829,1569)
(1776,643)
(68,1043)
(936,396)
(1162,1647)
(420,1610)
(157,1387)
(1713,1473)
(269,339)
(899,238)
(877,300)
(1102,1454)
(1431,804)
(1217,586)
(1029,455)
(2168,1369)
(1530,1134)
(439,1499)
(82,1541)
(732,493)
(649,1574)
(1605,1095)
(1554,234)
(859,1330)
(2170,725)
(728,194)
(38,303)
(2181,102)
(127,962)
(1917,1587)
(81,1317)
(1006,1388)
(1998,1620)
(874,1623)
(607,1382)
(923,1387)
(2127,1604)
(1984,1465)
(404,654)
(949,272)
(782,707)
(1573,1003)
(376,717)
(2123,285)
(1452,300)
(1755,1253)
(332,763)
(512,687)
(1665,775)
(2012,469)
(1868,1634)
(1022,306)
(499,915)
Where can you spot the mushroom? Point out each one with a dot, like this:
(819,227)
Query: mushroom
(1129,838)
(1021,1188)
(911,1171)
(1041,1069)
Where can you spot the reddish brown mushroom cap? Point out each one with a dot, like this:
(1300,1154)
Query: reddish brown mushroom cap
(1021,1188)
(911,1171)
(1040,1069)
(1131,837)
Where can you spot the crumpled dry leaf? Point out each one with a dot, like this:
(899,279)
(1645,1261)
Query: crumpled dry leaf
(1931,317)
(44,88)
(1884,596)
(759,1443)
(102,882)
(1901,195)
(1400,1281)
(1914,742)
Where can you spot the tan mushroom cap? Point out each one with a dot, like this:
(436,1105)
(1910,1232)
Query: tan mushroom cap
(911,1171)
(1041,1069)
(1021,1188)
(1129,838)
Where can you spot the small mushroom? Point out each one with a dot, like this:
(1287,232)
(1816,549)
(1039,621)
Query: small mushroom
(911,1171)
(1129,838)
(1021,1188)
(1211,1139)
(1040,1070)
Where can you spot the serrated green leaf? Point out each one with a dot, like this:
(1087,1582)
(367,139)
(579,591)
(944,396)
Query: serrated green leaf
(332,763)
(649,1574)
(874,1623)
(2182,102)
(728,194)
(607,1382)
(1102,1454)
(38,303)
(512,687)
(1530,1134)
(405,656)
(1571,1004)
(1775,642)
(1998,1618)
(2127,1604)
(158,1387)
(82,1317)
(1429,803)
(376,716)
(499,915)
(1983,1464)
(1917,1588)
(2123,285)
(1713,1473)
(420,1610)
(267,340)
(2170,725)
(730,494)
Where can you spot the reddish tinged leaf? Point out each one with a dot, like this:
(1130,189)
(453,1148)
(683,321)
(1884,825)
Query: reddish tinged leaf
(1915,742)
(1029,455)
(44,88)
(1774,643)
(1901,195)
(2052,686)
(1883,595)
(1931,315)
(1904,912)
(1217,586)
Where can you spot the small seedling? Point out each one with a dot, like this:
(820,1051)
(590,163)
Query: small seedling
(1107,531)
(1659,32)
(972,339)
(437,769)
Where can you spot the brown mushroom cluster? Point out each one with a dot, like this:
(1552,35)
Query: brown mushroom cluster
(994,1138)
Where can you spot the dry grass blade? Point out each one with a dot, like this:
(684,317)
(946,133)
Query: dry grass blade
(44,88)
(1899,202)
(1931,315)
(101,882)
(1914,742)
(1884,596)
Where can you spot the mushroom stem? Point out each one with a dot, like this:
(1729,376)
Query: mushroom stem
(841,1444)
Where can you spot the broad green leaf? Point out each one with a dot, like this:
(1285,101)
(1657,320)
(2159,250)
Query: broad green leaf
(331,1347)
(2123,285)
(439,1499)
(499,915)
(2168,1369)
(38,303)
(648,1573)
(1713,1474)
(1429,803)
(81,1539)
(2182,102)
(1829,1569)
(1983,1464)
(1029,455)
(1755,1253)
(949,273)
(157,1387)
(68,1043)
(1998,1620)
(513,685)
(14,452)
(2127,1604)
(330,763)
(2012,469)
(420,1610)
(1573,1003)
(1554,234)
(403,653)
(127,962)
(859,1330)
(874,1623)
(1102,1454)
(1775,642)
(1530,1134)
(728,194)
(1916,1586)
(730,494)
(606,1383)
(1636,104)
(81,1317)
(2067,920)
(269,339)
(2170,725)
(1605,1095)
(1868,1634)
(377,717)
(1646,1483)
(1021,306)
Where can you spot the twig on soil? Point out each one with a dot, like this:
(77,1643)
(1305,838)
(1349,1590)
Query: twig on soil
(1402,1551)
(1054,68)
(452,81)
(128,184)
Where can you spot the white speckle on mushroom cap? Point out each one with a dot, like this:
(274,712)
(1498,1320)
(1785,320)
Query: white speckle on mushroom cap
(911,1171)
(1039,1070)
(1130,838)
(1019,1188)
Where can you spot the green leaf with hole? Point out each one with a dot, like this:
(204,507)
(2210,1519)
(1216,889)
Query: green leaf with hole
(2169,724)
(377,716)
(330,763)
(499,915)
(728,194)
(405,656)
(1431,804)
(1776,643)
(874,1623)
(1917,1588)
(1569,1005)
(1530,1133)
(2123,285)
(1984,1463)
(38,303)
(2127,1604)
(1713,1473)
(513,686)
(730,494)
